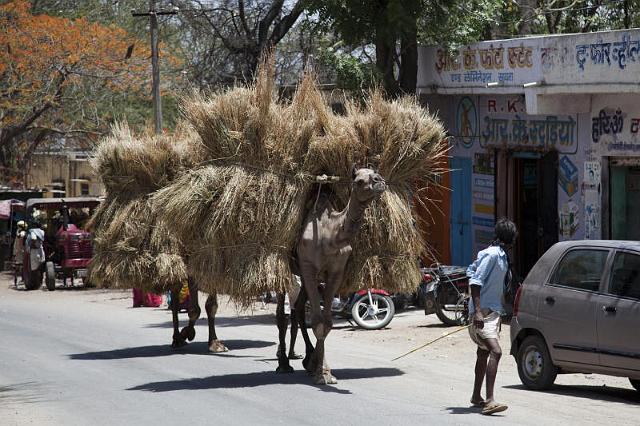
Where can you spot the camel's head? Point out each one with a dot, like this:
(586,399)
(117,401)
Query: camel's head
(367,184)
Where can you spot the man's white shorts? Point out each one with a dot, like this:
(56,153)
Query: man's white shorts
(491,329)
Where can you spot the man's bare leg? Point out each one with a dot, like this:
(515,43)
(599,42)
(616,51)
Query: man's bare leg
(481,370)
(495,353)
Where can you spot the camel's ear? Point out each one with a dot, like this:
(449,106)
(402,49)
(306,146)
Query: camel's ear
(353,171)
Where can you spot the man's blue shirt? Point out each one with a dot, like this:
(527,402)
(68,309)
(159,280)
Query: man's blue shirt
(488,272)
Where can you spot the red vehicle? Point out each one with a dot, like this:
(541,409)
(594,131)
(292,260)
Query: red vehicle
(67,246)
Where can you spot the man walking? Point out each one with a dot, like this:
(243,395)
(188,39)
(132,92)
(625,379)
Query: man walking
(487,279)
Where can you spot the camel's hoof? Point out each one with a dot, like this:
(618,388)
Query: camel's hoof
(282,369)
(324,379)
(188,333)
(178,343)
(217,346)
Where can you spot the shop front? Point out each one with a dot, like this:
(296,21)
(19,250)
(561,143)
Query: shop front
(543,130)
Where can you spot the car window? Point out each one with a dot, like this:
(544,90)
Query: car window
(581,269)
(625,276)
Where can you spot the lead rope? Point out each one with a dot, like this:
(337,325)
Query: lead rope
(432,341)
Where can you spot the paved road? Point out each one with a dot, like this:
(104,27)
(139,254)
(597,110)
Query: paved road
(79,357)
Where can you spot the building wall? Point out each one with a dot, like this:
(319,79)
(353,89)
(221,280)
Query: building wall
(577,95)
(63,172)
(478,124)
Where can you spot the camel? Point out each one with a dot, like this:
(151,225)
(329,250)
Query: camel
(322,254)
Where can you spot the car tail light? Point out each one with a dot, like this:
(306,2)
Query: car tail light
(516,301)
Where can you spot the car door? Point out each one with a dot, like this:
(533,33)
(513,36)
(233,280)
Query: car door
(618,314)
(567,306)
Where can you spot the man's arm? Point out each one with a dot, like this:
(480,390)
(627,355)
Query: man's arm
(478,273)
(478,320)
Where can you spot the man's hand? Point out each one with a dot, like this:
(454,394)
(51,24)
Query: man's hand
(478,319)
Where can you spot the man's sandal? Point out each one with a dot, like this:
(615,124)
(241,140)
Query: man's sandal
(493,407)
(478,402)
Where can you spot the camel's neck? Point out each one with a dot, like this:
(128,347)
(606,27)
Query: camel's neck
(351,220)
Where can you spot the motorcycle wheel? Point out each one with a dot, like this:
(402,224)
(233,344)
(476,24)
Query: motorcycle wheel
(451,308)
(376,316)
(51,276)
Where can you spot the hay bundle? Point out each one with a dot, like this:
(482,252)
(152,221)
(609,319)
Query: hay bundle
(242,213)
(402,142)
(133,247)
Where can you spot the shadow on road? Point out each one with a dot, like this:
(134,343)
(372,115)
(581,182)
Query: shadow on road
(264,378)
(22,393)
(233,321)
(604,393)
(198,348)
(467,410)
(434,325)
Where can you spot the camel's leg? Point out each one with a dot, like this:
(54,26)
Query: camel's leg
(178,340)
(294,334)
(189,332)
(322,372)
(321,323)
(283,361)
(300,313)
(211,306)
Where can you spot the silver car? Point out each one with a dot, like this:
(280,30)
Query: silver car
(578,311)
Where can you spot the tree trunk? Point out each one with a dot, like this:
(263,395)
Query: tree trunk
(627,17)
(385,52)
(527,13)
(409,59)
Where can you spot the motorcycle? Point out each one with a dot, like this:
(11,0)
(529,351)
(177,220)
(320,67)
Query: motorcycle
(371,309)
(445,292)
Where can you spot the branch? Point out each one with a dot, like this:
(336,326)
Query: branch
(265,23)
(285,24)
(32,148)
(243,19)
(10,132)
(66,132)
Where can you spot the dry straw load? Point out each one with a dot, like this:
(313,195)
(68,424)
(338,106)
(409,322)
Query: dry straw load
(241,213)
(402,141)
(133,247)
(236,201)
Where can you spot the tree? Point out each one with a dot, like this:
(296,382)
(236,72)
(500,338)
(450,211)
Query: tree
(55,76)
(225,41)
(382,23)
(522,17)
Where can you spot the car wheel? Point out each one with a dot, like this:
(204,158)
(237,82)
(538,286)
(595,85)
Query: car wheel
(535,368)
(51,276)
(635,383)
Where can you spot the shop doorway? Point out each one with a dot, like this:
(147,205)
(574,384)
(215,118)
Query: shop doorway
(625,201)
(527,193)
(460,219)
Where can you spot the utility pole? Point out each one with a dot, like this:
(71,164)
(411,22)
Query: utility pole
(155,65)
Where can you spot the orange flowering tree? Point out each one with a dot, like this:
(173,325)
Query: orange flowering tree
(56,75)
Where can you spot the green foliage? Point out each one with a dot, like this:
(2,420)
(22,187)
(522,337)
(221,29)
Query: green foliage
(351,73)
(356,21)
(457,22)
